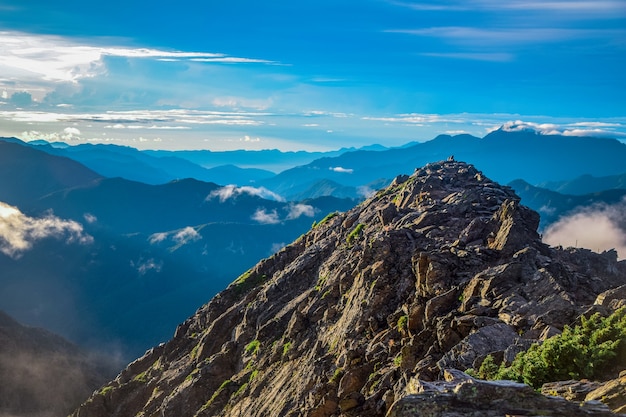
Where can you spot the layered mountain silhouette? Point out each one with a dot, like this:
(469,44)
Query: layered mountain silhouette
(363,314)
(115,264)
(503,155)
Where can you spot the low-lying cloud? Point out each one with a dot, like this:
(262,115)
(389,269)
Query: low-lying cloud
(231,191)
(19,232)
(342,170)
(298,210)
(290,212)
(266,217)
(186,235)
(178,237)
(599,228)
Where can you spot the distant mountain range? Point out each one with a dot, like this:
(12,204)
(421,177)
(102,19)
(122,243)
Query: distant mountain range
(137,240)
(116,264)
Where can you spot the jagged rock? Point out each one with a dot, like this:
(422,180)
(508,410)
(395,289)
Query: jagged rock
(439,269)
(612,393)
(613,298)
(572,390)
(462,395)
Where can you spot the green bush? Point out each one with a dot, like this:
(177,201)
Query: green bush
(253,347)
(588,351)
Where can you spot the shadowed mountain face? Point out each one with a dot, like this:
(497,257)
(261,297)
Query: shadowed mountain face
(434,272)
(42,374)
(26,175)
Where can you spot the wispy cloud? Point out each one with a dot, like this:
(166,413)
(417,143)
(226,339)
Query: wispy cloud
(511,36)
(143,266)
(56,58)
(174,119)
(179,237)
(599,228)
(186,235)
(474,56)
(342,170)
(263,216)
(232,191)
(609,9)
(19,232)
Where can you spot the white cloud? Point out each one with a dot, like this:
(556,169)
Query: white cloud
(143,266)
(585,9)
(298,210)
(599,228)
(55,58)
(264,217)
(277,247)
(342,170)
(231,191)
(567,129)
(471,36)
(179,237)
(18,232)
(157,238)
(186,235)
(365,191)
(474,56)
(90,218)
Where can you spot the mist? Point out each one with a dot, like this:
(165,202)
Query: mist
(599,228)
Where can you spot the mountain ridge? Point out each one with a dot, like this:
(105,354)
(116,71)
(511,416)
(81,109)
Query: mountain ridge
(433,272)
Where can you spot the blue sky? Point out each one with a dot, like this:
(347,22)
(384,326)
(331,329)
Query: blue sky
(307,75)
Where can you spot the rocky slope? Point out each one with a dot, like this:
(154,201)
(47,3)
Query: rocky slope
(432,273)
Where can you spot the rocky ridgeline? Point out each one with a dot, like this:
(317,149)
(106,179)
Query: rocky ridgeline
(432,273)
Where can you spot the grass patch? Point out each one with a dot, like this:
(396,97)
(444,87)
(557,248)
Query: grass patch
(354,234)
(336,376)
(325,219)
(286,348)
(142,377)
(252,348)
(247,281)
(402,323)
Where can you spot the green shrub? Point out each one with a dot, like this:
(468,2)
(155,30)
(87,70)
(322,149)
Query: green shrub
(253,347)
(588,350)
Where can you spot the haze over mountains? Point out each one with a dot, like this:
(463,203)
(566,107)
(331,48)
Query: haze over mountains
(147,237)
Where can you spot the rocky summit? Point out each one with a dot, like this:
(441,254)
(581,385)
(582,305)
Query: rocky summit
(373,309)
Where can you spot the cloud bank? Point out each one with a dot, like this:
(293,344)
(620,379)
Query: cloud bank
(591,128)
(19,232)
(599,228)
